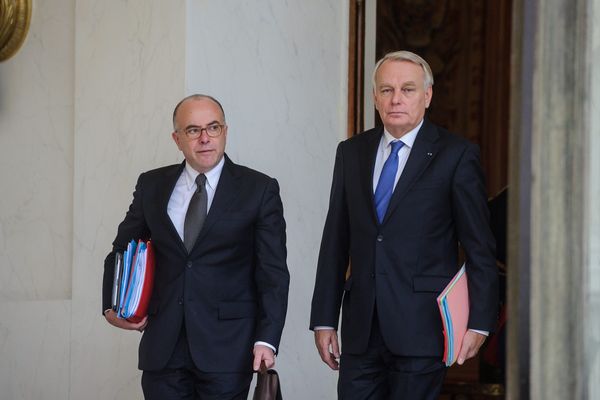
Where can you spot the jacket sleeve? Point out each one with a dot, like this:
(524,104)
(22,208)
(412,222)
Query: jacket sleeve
(133,227)
(271,274)
(333,255)
(471,216)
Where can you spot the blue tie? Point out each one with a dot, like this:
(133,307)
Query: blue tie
(385,186)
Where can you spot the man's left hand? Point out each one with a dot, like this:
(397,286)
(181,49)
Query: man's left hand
(470,346)
(263,354)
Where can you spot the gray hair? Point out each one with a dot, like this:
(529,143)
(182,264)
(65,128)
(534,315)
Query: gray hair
(197,97)
(404,55)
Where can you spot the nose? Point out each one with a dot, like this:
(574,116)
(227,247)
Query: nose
(397,97)
(204,138)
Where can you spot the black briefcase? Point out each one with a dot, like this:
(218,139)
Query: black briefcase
(267,386)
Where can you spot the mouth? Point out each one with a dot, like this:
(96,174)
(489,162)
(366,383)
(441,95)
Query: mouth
(204,152)
(396,114)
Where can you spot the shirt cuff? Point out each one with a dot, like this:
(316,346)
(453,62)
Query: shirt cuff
(266,344)
(484,333)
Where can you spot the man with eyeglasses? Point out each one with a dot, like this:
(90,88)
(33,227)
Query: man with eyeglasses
(221,281)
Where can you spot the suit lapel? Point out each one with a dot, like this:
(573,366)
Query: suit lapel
(227,189)
(367,166)
(170,179)
(423,152)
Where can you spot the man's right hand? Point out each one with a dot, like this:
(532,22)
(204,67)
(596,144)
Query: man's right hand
(327,344)
(111,317)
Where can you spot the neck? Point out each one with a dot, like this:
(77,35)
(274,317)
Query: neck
(398,133)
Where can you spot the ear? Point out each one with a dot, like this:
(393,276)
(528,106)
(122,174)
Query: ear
(176,139)
(375,99)
(428,96)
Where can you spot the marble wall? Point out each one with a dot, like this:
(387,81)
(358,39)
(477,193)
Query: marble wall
(85,106)
(592,229)
(554,222)
(36,159)
(129,72)
(36,169)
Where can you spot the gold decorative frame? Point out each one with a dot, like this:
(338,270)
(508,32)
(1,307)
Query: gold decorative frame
(15,16)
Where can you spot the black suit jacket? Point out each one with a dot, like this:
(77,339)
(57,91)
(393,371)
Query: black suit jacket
(402,264)
(231,289)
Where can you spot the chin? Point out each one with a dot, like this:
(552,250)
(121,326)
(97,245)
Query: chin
(397,120)
(397,124)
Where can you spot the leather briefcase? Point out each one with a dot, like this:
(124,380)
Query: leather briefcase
(267,386)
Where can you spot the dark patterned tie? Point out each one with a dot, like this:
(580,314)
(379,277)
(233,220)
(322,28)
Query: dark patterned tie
(196,214)
(385,186)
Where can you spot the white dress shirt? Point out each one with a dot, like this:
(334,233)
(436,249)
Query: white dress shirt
(184,190)
(384,149)
(182,194)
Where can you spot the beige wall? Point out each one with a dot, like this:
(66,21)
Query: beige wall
(129,72)
(36,219)
(36,159)
(85,107)
(592,213)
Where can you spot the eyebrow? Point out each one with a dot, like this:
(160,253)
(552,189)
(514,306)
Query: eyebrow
(198,126)
(385,84)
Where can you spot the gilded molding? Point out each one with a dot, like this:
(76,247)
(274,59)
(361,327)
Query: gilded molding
(15,16)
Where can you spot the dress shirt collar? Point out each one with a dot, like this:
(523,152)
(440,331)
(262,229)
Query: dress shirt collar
(212,176)
(408,139)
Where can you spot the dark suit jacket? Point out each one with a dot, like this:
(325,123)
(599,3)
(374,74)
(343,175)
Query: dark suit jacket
(231,289)
(401,265)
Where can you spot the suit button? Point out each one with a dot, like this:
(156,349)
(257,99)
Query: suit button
(372,275)
(180,301)
(189,264)
(380,238)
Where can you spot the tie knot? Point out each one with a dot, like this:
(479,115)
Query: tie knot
(200,181)
(396,145)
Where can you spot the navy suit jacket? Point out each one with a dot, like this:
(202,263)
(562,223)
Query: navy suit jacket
(232,287)
(402,264)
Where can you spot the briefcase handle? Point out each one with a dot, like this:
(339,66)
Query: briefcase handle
(267,385)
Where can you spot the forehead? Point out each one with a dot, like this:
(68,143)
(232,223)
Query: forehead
(392,71)
(201,110)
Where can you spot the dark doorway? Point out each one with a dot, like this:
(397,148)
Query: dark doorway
(467,45)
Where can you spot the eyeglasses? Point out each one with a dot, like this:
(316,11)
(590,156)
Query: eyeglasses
(194,132)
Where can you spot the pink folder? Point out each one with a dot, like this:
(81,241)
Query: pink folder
(453,303)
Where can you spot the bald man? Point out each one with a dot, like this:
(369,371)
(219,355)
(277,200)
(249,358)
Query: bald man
(221,282)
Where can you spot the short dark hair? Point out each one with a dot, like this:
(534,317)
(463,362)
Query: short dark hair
(197,97)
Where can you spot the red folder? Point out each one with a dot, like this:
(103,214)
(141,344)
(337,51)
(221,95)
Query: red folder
(142,309)
(453,303)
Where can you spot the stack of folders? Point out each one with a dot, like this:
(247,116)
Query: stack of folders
(133,281)
(454,307)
